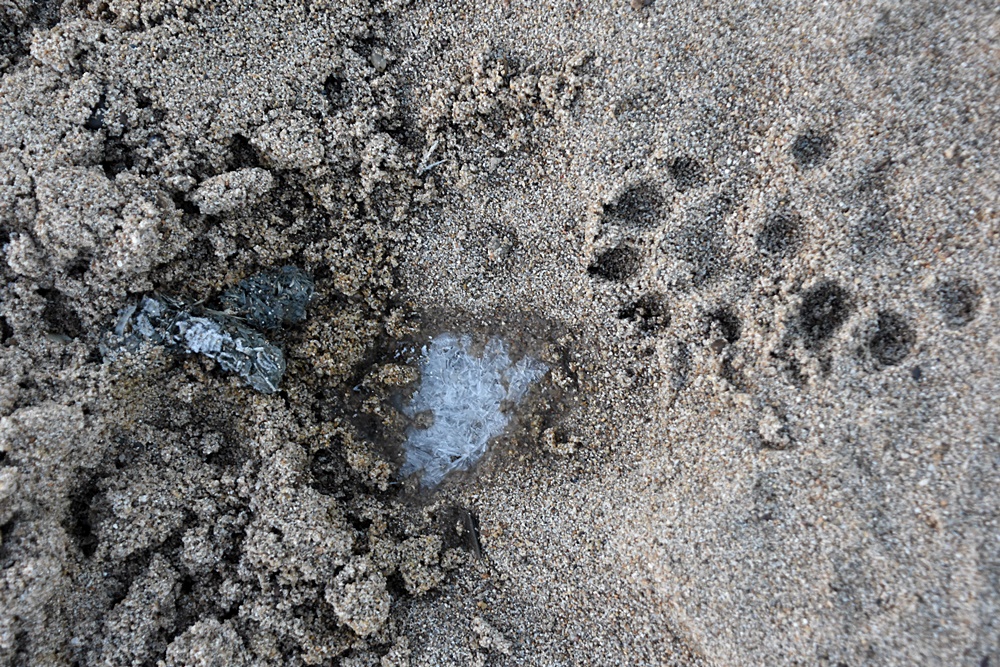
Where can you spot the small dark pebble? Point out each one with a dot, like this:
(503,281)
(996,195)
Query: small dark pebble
(917,373)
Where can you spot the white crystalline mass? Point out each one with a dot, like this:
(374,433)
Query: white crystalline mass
(465,394)
(203,336)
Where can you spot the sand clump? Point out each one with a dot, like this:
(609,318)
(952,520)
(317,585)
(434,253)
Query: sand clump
(755,246)
(143,519)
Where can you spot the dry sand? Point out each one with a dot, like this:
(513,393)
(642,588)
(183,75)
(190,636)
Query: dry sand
(757,244)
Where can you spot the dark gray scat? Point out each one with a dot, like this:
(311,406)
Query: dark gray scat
(235,347)
(272,299)
(232,337)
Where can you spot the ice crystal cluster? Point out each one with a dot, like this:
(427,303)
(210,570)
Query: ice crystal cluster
(230,336)
(466,396)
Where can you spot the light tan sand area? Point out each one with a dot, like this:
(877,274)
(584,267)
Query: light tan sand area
(755,247)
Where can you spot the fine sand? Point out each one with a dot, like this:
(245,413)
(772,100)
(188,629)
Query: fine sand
(756,244)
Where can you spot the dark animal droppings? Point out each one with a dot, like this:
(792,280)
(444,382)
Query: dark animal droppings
(272,299)
(959,299)
(824,308)
(649,312)
(687,173)
(811,148)
(892,339)
(617,264)
(780,234)
(638,206)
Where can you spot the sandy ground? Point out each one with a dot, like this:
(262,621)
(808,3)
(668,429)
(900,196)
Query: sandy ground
(757,245)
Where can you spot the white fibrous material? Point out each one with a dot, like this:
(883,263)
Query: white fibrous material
(466,396)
